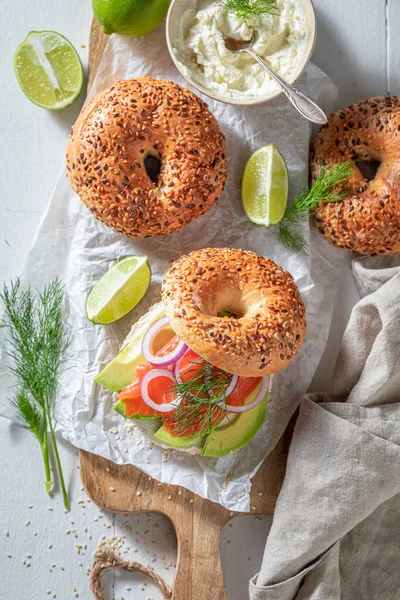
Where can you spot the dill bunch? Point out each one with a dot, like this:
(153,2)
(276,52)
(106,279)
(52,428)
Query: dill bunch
(245,9)
(304,204)
(36,333)
(202,400)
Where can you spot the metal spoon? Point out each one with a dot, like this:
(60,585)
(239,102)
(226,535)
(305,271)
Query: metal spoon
(304,105)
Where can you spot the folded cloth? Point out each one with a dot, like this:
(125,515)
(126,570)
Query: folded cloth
(336,528)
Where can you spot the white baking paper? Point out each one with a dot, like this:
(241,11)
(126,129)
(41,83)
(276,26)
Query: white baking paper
(73,245)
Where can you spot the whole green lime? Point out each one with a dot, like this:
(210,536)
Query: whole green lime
(130,17)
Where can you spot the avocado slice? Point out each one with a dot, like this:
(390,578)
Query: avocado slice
(120,372)
(237,434)
(120,409)
(178,441)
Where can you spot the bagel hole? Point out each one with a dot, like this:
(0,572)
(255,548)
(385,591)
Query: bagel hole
(368,168)
(153,166)
(228,314)
(229,304)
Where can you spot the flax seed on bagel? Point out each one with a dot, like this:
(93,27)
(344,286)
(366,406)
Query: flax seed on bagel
(367,221)
(108,162)
(268,321)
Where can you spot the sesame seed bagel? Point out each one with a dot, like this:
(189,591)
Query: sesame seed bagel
(269,323)
(108,154)
(367,221)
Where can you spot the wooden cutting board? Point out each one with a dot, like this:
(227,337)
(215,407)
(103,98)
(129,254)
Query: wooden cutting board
(198,522)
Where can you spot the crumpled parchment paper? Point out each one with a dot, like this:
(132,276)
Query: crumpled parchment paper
(72,244)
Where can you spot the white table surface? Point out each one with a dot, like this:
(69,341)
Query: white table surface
(358,46)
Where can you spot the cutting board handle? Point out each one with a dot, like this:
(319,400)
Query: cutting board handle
(199,570)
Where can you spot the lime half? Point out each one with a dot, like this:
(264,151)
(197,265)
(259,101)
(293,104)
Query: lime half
(265,186)
(48,69)
(119,290)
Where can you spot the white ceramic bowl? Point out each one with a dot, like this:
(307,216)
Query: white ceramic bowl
(174,34)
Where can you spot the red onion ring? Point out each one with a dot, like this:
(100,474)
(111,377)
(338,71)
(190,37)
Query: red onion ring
(257,400)
(177,369)
(231,386)
(144,391)
(160,361)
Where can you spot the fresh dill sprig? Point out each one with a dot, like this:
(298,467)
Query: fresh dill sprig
(202,400)
(36,333)
(28,412)
(304,204)
(245,9)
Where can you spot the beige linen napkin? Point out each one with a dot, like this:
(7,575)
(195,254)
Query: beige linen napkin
(336,529)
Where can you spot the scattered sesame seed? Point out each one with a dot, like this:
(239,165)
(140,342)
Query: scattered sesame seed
(27,523)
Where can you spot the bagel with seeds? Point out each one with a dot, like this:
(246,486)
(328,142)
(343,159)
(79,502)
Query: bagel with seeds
(268,321)
(146,157)
(367,221)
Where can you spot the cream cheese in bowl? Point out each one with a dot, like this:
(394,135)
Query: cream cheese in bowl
(283,40)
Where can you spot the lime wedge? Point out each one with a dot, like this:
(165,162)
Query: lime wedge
(265,186)
(48,69)
(119,290)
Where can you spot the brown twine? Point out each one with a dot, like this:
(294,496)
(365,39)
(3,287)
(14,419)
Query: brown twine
(105,558)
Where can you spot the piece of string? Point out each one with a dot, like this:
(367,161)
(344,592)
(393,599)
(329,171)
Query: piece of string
(105,558)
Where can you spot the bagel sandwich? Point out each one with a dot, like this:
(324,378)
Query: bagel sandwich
(196,370)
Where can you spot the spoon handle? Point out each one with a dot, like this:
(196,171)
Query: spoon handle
(304,105)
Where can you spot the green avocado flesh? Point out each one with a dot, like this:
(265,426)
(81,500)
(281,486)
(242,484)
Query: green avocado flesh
(237,434)
(120,372)
(226,439)
(120,409)
(178,441)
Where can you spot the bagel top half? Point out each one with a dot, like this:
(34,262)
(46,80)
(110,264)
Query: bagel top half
(146,157)
(267,324)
